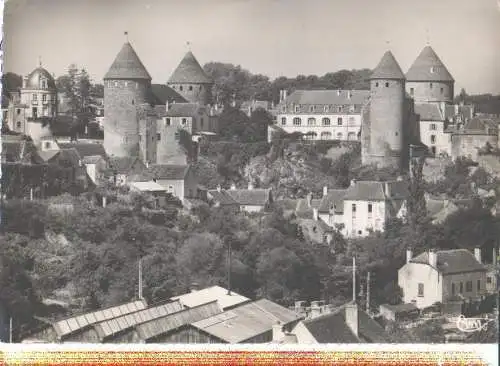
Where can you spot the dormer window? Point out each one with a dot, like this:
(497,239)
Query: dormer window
(44,84)
(339,109)
(430,85)
(190,87)
(326,109)
(297,109)
(311,109)
(184,121)
(433,70)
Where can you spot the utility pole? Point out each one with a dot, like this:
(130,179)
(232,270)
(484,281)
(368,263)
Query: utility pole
(10,330)
(229,267)
(368,292)
(140,279)
(354,279)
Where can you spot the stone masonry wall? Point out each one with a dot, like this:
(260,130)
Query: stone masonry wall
(423,92)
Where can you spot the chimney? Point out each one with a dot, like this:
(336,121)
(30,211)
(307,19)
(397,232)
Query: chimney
(315,214)
(387,189)
(281,96)
(167,105)
(456,109)
(193,287)
(338,92)
(315,309)
(477,254)
(285,94)
(325,191)
(277,331)
(409,255)
(494,256)
(25,81)
(353,182)
(250,185)
(351,317)
(233,187)
(219,188)
(433,258)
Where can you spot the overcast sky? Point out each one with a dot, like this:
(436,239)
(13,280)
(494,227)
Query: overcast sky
(272,37)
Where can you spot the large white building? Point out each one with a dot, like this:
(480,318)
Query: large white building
(322,114)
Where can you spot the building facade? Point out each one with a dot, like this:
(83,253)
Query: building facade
(322,114)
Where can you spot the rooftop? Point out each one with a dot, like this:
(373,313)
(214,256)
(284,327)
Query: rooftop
(34,79)
(122,165)
(184,110)
(222,197)
(255,196)
(147,186)
(328,97)
(163,93)
(374,191)
(127,65)
(246,321)
(428,67)
(189,71)
(209,294)
(167,171)
(333,199)
(84,148)
(388,68)
(428,112)
(452,261)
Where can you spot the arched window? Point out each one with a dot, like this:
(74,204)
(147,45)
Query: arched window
(326,135)
(18,124)
(190,87)
(339,121)
(297,121)
(351,136)
(311,121)
(326,121)
(339,136)
(180,88)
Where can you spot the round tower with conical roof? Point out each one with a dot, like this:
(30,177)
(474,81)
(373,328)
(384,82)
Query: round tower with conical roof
(383,121)
(190,81)
(127,85)
(428,79)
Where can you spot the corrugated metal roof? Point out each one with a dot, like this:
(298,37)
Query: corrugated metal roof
(66,326)
(162,325)
(210,294)
(120,323)
(247,321)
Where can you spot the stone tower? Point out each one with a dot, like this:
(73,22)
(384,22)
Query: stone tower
(190,81)
(127,84)
(383,134)
(428,80)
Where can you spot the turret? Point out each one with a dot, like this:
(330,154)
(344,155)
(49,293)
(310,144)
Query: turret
(383,120)
(127,84)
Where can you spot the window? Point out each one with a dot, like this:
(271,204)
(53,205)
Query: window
(339,136)
(283,121)
(283,109)
(353,208)
(44,97)
(35,97)
(479,285)
(35,113)
(184,120)
(180,88)
(430,85)
(412,91)
(177,135)
(116,83)
(133,102)
(420,290)
(370,208)
(201,122)
(360,232)
(297,121)
(339,109)
(47,145)
(433,150)
(386,85)
(326,121)
(18,111)
(432,69)
(488,280)
(44,84)
(461,290)
(18,124)
(453,289)
(396,133)
(433,126)
(468,286)
(167,121)
(376,84)
(326,135)
(126,83)
(311,109)
(433,139)
(311,121)
(326,109)
(158,137)
(352,119)
(442,90)
(339,121)
(190,87)
(297,109)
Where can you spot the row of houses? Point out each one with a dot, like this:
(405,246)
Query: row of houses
(211,315)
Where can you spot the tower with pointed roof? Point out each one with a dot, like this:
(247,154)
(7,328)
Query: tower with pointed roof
(383,132)
(428,79)
(127,85)
(190,81)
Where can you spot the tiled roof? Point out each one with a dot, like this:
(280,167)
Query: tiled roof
(183,110)
(84,148)
(11,150)
(254,196)
(374,191)
(147,186)
(47,155)
(122,165)
(465,110)
(222,197)
(168,172)
(428,112)
(127,65)
(189,71)
(163,93)
(76,323)
(453,261)
(388,68)
(328,97)
(481,125)
(303,209)
(333,199)
(70,155)
(214,293)
(246,321)
(165,324)
(118,324)
(428,67)
(332,328)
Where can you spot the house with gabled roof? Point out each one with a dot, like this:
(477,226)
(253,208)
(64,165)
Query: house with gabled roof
(179,180)
(123,170)
(473,136)
(441,276)
(346,324)
(368,205)
(220,198)
(251,199)
(331,207)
